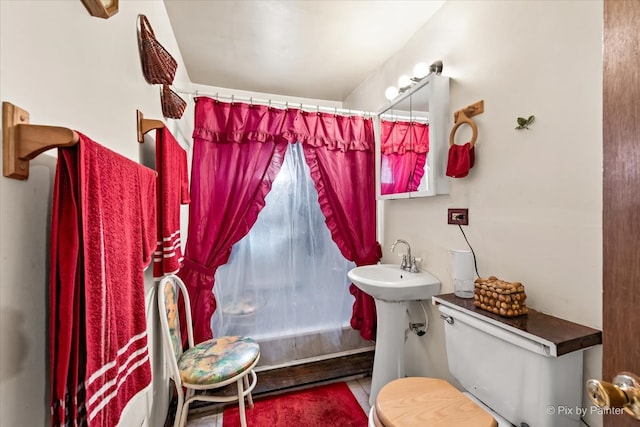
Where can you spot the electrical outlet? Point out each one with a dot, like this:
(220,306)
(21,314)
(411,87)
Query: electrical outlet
(458,216)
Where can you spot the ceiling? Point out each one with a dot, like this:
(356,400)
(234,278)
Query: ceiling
(318,49)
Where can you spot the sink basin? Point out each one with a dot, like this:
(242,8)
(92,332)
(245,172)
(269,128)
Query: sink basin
(391,288)
(389,283)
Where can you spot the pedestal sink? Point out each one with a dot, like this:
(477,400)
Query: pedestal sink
(391,287)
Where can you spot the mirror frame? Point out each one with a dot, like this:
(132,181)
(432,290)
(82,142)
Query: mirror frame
(437,91)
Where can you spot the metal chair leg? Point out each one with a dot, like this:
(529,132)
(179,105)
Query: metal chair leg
(243,416)
(185,413)
(176,421)
(246,387)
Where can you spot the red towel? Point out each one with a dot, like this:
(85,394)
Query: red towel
(64,292)
(172,190)
(103,235)
(461,159)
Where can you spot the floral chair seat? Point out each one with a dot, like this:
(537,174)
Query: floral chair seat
(217,360)
(208,366)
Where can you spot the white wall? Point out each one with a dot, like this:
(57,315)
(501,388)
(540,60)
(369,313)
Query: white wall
(70,69)
(534,196)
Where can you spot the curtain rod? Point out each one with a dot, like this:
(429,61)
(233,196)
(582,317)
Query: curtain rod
(275,103)
(395,118)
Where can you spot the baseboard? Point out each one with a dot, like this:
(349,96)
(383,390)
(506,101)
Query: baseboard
(310,373)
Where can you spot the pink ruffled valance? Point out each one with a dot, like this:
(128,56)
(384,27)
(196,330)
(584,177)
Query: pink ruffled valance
(225,122)
(401,137)
(343,133)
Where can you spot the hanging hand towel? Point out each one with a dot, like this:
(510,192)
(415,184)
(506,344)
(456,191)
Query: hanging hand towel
(461,159)
(172,190)
(100,360)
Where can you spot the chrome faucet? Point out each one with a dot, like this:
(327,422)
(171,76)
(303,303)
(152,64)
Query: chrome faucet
(408,262)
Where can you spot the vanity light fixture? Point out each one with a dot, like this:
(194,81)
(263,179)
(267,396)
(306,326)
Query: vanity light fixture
(420,71)
(391,92)
(404,82)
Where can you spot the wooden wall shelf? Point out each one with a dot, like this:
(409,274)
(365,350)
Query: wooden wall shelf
(561,336)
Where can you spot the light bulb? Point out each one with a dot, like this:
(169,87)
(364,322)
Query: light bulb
(391,92)
(404,81)
(421,70)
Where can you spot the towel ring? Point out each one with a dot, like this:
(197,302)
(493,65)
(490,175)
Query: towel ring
(462,118)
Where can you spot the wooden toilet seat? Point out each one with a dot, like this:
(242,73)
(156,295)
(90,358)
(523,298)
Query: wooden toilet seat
(419,402)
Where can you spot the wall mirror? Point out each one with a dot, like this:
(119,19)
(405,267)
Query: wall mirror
(411,141)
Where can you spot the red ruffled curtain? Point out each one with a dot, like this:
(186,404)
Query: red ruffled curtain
(237,153)
(340,155)
(404,154)
(238,150)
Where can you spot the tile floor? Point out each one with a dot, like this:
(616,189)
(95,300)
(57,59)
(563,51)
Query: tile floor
(360,389)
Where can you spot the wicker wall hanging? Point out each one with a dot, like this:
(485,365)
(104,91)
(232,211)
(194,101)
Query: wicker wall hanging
(172,105)
(158,66)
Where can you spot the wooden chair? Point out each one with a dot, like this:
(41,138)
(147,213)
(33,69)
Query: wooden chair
(208,365)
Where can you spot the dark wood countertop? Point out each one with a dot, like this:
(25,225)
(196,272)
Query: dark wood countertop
(567,336)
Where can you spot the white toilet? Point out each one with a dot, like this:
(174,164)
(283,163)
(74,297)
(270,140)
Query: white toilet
(511,377)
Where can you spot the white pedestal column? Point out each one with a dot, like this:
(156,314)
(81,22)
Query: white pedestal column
(388,363)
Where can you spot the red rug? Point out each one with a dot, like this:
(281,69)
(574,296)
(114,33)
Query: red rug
(330,405)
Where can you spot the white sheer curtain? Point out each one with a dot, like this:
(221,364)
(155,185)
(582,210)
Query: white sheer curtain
(286,282)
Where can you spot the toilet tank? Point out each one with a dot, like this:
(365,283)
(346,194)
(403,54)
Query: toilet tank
(517,377)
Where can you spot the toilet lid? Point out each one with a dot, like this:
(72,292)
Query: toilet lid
(417,401)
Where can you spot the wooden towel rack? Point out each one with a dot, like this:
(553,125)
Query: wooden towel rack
(464,116)
(22,141)
(146,125)
(471,110)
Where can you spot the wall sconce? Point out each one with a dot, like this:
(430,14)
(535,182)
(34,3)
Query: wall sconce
(420,71)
